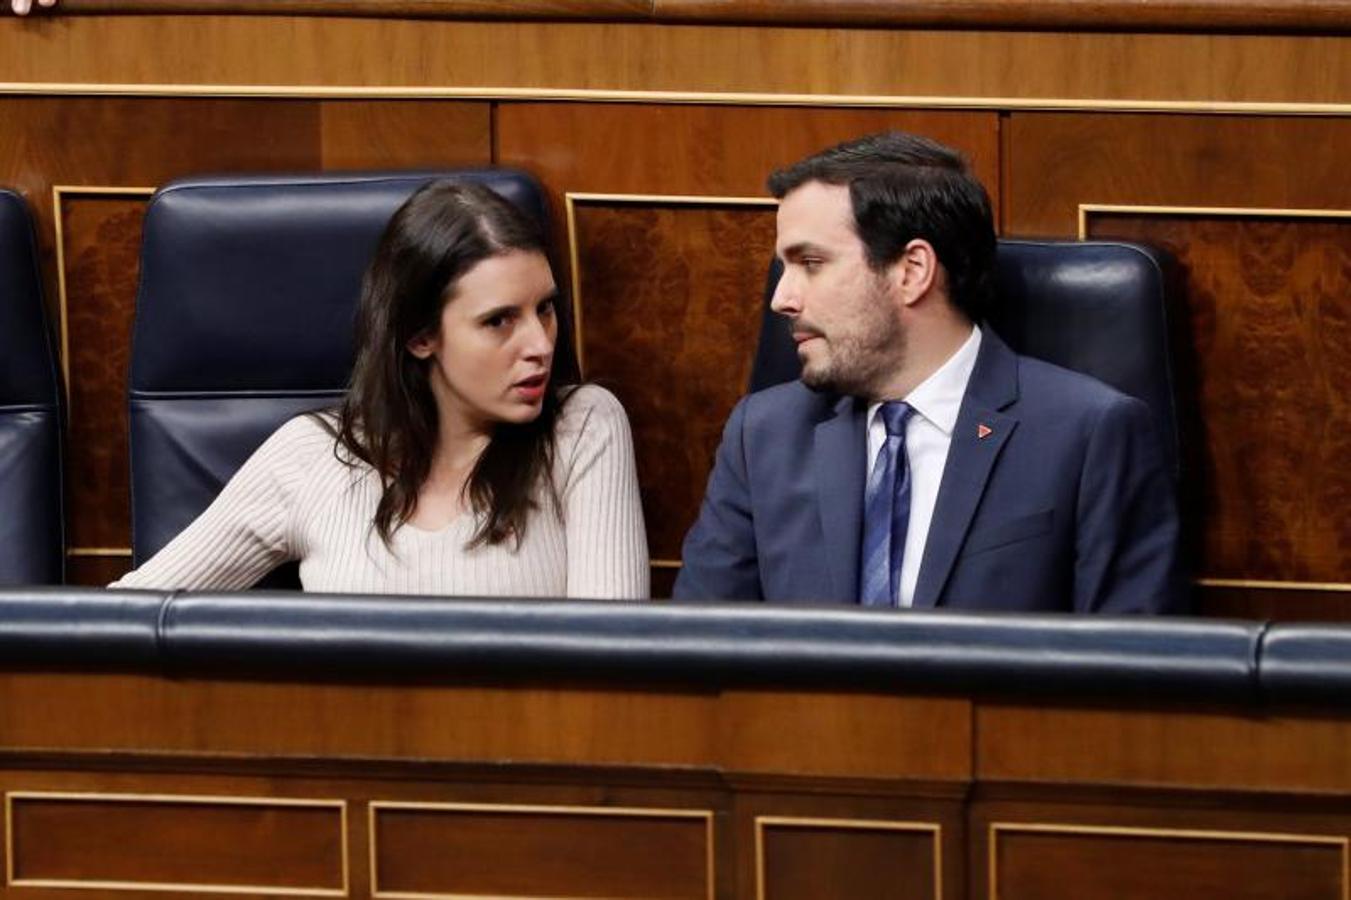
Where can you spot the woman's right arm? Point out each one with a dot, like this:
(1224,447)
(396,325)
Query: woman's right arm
(247,530)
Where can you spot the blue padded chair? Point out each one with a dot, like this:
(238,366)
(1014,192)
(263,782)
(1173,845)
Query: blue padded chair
(31,538)
(244,318)
(1097,307)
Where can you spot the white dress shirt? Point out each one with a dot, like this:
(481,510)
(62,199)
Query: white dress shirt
(928,434)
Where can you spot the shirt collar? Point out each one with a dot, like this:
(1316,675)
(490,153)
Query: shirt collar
(939,397)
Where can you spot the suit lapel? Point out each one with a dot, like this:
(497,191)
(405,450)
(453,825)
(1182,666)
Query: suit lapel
(977,439)
(839,469)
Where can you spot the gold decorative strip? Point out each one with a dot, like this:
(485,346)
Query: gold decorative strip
(375,806)
(1258,584)
(1255,837)
(59,193)
(716,98)
(188,799)
(762,823)
(104,552)
(572,198)
(1088,209)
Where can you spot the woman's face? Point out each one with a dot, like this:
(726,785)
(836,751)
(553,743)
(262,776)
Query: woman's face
(490,358)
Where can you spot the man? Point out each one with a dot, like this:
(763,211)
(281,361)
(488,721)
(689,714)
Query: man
(920,462)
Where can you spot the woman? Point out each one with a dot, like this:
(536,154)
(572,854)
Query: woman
(454,465)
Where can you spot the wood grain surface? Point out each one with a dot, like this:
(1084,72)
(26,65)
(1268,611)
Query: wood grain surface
(539,852)
(102,236)
(543,59)
(848,859)
(1267,298)
(671,299)
(1298,15)
(87,840)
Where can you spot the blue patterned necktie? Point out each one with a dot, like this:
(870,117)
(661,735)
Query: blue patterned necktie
(886,513)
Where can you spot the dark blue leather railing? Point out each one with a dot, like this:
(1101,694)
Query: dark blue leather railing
(317,637)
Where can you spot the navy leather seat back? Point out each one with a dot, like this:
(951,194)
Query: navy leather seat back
(244,318)
(31,539)
(1096,307)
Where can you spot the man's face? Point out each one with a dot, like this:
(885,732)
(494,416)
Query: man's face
(845,318)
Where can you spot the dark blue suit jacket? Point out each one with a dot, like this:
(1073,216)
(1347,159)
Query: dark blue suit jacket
(1066,504)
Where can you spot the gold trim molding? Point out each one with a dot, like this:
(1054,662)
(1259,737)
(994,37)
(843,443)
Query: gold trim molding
(572,198)
(1088,209)
(185,799)
(714,98)
(1332,587)
(762,823)
(59,193)
(375,806)
(1317,840)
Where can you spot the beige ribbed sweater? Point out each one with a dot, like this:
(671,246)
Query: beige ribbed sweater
(293,499)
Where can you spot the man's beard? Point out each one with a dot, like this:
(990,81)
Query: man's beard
(860,363)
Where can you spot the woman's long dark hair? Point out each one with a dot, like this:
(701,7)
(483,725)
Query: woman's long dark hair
(388,419)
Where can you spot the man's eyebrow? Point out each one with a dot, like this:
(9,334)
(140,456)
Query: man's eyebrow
(801,248)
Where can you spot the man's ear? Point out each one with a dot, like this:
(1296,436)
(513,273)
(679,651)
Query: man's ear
(423,346)
(915,272)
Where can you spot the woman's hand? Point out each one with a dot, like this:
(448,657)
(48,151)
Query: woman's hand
(22,7)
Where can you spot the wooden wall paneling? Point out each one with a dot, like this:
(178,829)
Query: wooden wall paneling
(97,259)
(1177,747)
(497,58)
(671,290)
(1264,319)
(658,324)
(1068,861)
(97,569)
(893,838)
(1058,161)
(1043,14)
(99,154)
(555,851)
(1044,840)
(1256,600)
(292,807)
(1300,15)
(404,134)
(873,736)
(754,732)
(1267,297)
(546,726)
(700,150)
(167,842)
(856,858)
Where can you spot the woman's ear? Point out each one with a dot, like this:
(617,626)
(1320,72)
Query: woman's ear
(423,346)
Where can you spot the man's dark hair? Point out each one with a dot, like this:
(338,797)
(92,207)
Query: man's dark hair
(903,187)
